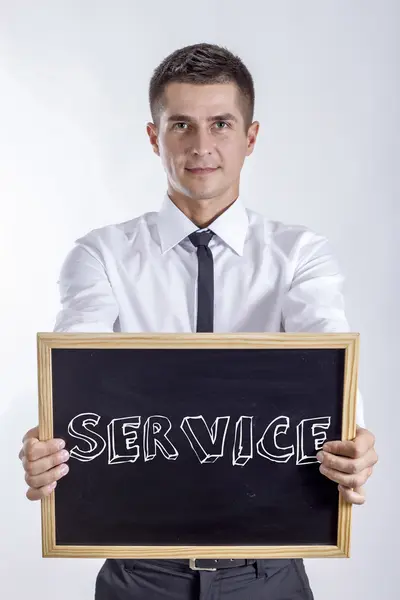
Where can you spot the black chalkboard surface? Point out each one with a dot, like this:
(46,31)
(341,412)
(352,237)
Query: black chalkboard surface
(196,444)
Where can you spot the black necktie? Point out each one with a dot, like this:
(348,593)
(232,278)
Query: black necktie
(205,280)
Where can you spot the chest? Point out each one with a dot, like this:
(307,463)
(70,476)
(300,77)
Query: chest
(158,292)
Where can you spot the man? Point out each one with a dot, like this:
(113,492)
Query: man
(203,263)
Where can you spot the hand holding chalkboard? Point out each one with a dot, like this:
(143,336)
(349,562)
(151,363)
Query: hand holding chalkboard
(44,463)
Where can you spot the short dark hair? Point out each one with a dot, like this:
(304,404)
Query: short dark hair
(202,64)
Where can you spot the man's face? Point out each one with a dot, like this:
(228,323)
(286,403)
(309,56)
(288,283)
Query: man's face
(202,127)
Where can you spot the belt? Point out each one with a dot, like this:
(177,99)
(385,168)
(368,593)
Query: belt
(212,564)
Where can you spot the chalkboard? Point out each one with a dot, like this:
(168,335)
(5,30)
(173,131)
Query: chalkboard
(196,445)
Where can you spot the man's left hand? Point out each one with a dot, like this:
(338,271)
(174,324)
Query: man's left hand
(350,464)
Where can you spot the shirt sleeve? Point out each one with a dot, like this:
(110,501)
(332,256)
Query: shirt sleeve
(314,301)
(87,301)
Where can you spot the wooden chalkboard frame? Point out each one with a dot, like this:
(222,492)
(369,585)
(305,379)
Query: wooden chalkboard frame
(47,341)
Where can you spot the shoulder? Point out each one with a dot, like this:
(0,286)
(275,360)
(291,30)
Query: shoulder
(110,238)
(291,239)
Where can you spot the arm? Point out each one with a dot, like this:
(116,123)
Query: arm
(87,300)
(87,305)
(315,303)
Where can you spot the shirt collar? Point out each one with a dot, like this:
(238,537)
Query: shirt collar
(174,226)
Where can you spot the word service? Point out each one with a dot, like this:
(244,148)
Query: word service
(207,442)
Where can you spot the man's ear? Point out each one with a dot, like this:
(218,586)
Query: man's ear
(152,132)
(252,137)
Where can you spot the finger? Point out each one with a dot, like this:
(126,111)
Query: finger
(356,448)
(32,433)
(366,435)
(350,481)
(33,449)
(37,494)
(42,465)
(347,449)
(47,478)
(348,465)
(356,496)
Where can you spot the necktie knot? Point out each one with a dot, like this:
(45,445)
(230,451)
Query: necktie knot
(201,238)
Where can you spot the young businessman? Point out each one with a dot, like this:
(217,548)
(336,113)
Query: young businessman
(204,262)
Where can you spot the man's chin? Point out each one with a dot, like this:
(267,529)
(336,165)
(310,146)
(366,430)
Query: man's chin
(202,194)
(198,190)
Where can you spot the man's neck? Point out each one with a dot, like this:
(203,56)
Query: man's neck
(202,212)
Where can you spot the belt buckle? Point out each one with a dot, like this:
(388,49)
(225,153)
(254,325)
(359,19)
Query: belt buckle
(192,565)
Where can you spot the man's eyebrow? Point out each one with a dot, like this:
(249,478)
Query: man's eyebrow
(222,117)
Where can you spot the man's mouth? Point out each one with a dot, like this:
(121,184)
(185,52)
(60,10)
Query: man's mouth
(201,171)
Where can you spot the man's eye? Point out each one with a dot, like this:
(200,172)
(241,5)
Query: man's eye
(178,125)
(222,123)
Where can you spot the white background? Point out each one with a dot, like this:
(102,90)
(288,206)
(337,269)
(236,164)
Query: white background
(74,155)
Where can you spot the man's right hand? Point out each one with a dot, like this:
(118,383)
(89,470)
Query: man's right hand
(43,462)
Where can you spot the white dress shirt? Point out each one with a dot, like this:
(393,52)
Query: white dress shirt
(141,276)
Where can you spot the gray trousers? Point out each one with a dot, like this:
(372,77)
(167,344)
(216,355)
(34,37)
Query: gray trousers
(280,579)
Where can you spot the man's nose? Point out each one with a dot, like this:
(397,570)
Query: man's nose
(202,143)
